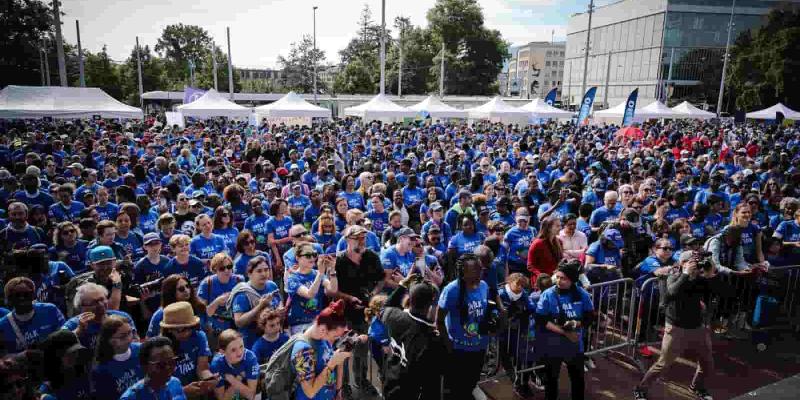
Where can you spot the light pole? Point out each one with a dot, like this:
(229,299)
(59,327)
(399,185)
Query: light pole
(139,74)
(82,78)
(383,46)
(586,51)
(230,64)
(62,64)
(214,64)
(725,61)
(314,52)
(400,64)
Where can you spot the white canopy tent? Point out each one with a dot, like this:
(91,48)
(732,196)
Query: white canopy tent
(690,111)
(212,104)
(497,109)
(656,110)
(769,113)
(614,114)
(17,102)
(539,109)
(292,106)
(379,107)
(436,109)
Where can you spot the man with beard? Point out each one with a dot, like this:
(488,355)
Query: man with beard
(29,322)
(104,273)
(19,234)
(66,209)
(361,277)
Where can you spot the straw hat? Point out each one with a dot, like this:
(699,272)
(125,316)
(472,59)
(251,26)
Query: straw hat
(179,315)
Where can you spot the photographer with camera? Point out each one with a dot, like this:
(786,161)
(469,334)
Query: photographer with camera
(562,313)
(684,328)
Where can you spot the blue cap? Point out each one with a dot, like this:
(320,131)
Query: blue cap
(198,193)
(615,237)
(596,165)
(101,253)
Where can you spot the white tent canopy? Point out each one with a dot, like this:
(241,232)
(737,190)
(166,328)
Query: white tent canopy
(379,107)
(433,106)
(61,102)
(769,113)
(617,111)
(497,109)
(212,104)
(656,110)
(292,105)
(539,109)
(690,111)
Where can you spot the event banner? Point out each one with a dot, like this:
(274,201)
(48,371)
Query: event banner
(551,96)
(586,106)
(630,107)
(191,94)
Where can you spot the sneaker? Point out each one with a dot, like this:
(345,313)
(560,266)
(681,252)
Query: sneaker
(537,383)
(589,363)
(701,393)
(639,394)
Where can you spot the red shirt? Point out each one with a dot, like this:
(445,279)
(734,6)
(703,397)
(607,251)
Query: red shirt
(541,259)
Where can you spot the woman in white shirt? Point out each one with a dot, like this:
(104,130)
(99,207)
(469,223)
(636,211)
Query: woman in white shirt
(573,241)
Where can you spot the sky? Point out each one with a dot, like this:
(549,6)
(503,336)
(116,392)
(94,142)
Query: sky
(263,30)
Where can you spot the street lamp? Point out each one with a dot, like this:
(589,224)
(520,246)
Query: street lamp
(314,54)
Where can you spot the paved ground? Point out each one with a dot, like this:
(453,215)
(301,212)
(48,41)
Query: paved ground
(740,370)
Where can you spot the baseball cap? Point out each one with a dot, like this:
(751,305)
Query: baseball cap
(101,253)
(151,237)
(689,240)
(614,236)
(198,193)
(406,232)
(354,230)
(463,193)
(436,206)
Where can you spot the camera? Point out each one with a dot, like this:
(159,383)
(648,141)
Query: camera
(703,260)
(348,342)
(151,286)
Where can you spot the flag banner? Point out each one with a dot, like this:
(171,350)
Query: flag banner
(191,94)
(551,96)
(630,107)
(586,106)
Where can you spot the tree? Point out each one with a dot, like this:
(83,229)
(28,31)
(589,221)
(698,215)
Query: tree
(356,77)
(418,53)
(102,73)
(178,45)
(764,62)
(154,75)
(25,23)
(474,55)
(363,53)
(298,67)
(204,73)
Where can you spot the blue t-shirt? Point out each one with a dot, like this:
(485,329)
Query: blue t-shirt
(241,260)
(108,211)
(47,318)
(133,245)
(263,348)
(603,255)
(206,248)
(412,196)
(141,391)
(145,271)
(308,361)
(464,243)
(147,221)
(379,221)
(464,334)
(601,215)
(245,370)
(59,212)
(211,288)
(241,304)
(112,378)
(552,304)
(74,256)
(354,200)
(258,226)
(391,259)
(301,309)
(279,228)
(194,270)
(189,351)
(89,336)
(518,242)
(229,236)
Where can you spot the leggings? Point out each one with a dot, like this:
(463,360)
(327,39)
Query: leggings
(463,373)
(552,369)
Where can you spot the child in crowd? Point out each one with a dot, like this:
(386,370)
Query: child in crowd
(543,282)
(236,367)
(378,338)
(271,323)
(514,339)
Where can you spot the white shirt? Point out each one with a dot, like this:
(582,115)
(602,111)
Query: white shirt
(573,245)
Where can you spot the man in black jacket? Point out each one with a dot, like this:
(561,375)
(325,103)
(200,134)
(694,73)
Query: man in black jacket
(414,369)
(684,329)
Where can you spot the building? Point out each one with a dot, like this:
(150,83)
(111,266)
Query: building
(669,49)
(264,74)
(535,68)
(327,76)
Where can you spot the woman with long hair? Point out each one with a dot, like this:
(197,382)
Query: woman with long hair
(742,216)
(147,215)
(190,344)
(127,237)
(546,250)
(68,248)
(235,202)
(354,199)
(259,293)
(175,288)
(461,313)
(317,365)
(246,250)
(215,290)
(307,285)
(278,231)
(326,234)
(117,359)
(205,244)
(224,226)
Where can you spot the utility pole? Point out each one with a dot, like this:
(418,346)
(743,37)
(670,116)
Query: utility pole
(725,61)
(62,65)
(82,79)
(230,64)
(383,46)
(569,81)
(46,62)
(139,71)
(669,76)
(608,77)
(441,74)
(400,64)
(42,60)
(314,56)
(586,50)
(214,64)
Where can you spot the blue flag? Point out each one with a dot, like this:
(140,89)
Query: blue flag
(630,107)
(551,96)
(586,105)
(191,94)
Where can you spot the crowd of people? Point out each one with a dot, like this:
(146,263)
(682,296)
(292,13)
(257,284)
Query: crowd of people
(143,261)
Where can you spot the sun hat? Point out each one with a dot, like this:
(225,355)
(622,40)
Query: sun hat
(179,315)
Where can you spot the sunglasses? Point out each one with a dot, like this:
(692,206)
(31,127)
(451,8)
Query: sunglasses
(229,267)
(309,255)
(250,241)
(170,363)
(68,231)
(667,248)
(299,234)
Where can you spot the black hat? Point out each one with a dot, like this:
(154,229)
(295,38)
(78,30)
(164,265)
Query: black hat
(572,269)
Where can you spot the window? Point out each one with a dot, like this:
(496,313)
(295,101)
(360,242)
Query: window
(547,63)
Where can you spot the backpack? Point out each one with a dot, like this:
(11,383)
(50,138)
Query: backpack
(277,375)
(243,287)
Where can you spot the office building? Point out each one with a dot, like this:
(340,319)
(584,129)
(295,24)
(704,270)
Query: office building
(534,69)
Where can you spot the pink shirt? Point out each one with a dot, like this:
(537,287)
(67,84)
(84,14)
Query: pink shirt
(573,245)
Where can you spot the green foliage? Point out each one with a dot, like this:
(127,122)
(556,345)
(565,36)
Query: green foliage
(765,63)
(24,24)
(298,67)
(357,77)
